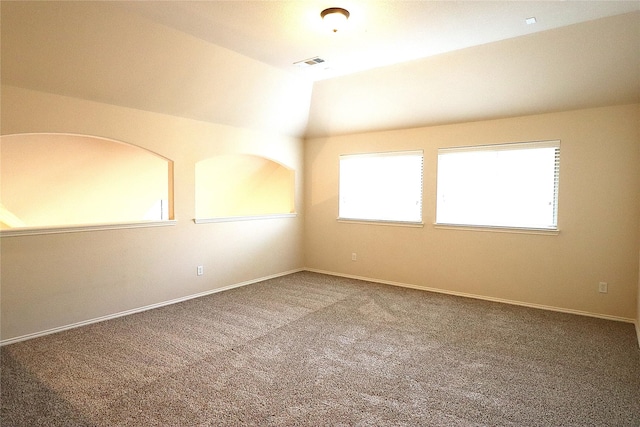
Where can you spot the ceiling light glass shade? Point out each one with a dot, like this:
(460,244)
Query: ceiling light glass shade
(335,18)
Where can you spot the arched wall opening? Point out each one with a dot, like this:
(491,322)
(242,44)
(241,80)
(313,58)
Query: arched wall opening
(239,185)
(57,180)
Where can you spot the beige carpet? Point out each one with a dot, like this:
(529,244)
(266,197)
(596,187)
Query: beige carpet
(310,349)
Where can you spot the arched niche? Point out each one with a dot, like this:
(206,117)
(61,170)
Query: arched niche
(243,185)
(56,180)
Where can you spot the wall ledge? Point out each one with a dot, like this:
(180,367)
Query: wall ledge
(243,218)
(33,231)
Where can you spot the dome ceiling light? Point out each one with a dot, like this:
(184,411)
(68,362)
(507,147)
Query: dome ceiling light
(335,17)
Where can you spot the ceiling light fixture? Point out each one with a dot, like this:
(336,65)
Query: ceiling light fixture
(335,17)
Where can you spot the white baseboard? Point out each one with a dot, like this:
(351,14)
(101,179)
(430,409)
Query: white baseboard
(140,309)
(482,297)
(368,279)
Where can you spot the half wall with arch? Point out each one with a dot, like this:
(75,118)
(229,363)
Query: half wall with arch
(243,185)
(53,180)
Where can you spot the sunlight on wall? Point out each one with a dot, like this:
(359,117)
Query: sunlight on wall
(243,185)
(50,180)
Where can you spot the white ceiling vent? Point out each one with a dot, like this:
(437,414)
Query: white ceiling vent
(309,62)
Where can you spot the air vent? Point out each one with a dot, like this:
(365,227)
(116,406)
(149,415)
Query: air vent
(309,62)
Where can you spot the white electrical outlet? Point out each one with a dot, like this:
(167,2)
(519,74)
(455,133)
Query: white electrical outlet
(603,287)
(200,270)
(354,256)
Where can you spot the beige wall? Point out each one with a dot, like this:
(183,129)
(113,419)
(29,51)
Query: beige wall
(599,212)
(49,281)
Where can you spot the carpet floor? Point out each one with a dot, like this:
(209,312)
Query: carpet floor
(311,349)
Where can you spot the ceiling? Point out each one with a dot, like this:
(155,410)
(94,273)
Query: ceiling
(397,64)
(378,33)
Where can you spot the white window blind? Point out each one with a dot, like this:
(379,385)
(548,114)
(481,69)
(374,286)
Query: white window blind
(381,186)
(506,185)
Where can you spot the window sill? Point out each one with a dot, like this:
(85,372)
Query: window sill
(32,231)
(243,218)
(381,222)
(496,229)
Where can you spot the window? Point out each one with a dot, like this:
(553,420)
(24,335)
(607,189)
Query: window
(381,187)
(507,185)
